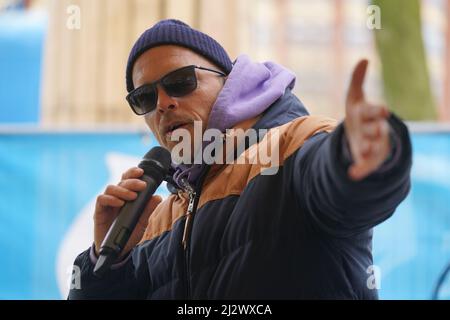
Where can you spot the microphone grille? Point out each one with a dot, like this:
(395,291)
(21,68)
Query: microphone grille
(161,155)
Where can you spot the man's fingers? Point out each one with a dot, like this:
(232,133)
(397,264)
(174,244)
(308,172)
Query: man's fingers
(366,148)
(371,130)
(367,129)
(355,91)
(115,195)
(357,172)
(134,172)
(375,129)
(120,192)
(133,184)
(371,112)
(361,170)
(107,200)
(373,154)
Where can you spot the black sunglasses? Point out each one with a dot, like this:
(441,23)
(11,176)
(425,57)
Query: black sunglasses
(177,83)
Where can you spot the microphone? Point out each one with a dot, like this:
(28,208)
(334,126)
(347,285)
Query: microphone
(156,164)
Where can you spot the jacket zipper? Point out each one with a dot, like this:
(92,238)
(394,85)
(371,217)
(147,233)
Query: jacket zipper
(189,214)
(186,233)
(193,197)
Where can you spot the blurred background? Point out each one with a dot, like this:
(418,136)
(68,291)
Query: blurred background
(66,130)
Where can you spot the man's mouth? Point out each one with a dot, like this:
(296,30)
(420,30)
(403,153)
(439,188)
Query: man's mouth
(168,131)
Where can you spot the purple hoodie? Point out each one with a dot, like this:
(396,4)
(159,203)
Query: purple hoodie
(250,89)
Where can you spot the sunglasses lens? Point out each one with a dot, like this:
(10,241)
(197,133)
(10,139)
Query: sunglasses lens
(176,84)
(180,82)
(143,101)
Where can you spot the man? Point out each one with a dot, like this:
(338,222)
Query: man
(228,231)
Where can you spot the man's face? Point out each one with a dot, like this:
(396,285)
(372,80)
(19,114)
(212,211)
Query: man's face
(196,106)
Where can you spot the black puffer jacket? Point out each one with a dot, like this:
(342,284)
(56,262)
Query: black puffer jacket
(305,232)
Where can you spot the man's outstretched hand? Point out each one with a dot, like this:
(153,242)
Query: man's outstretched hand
(366,128)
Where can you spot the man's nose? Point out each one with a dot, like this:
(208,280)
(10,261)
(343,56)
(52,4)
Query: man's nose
(165,102)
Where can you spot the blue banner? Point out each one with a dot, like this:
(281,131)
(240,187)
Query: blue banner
(49,183)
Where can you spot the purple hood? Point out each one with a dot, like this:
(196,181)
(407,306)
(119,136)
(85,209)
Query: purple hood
(249,90)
